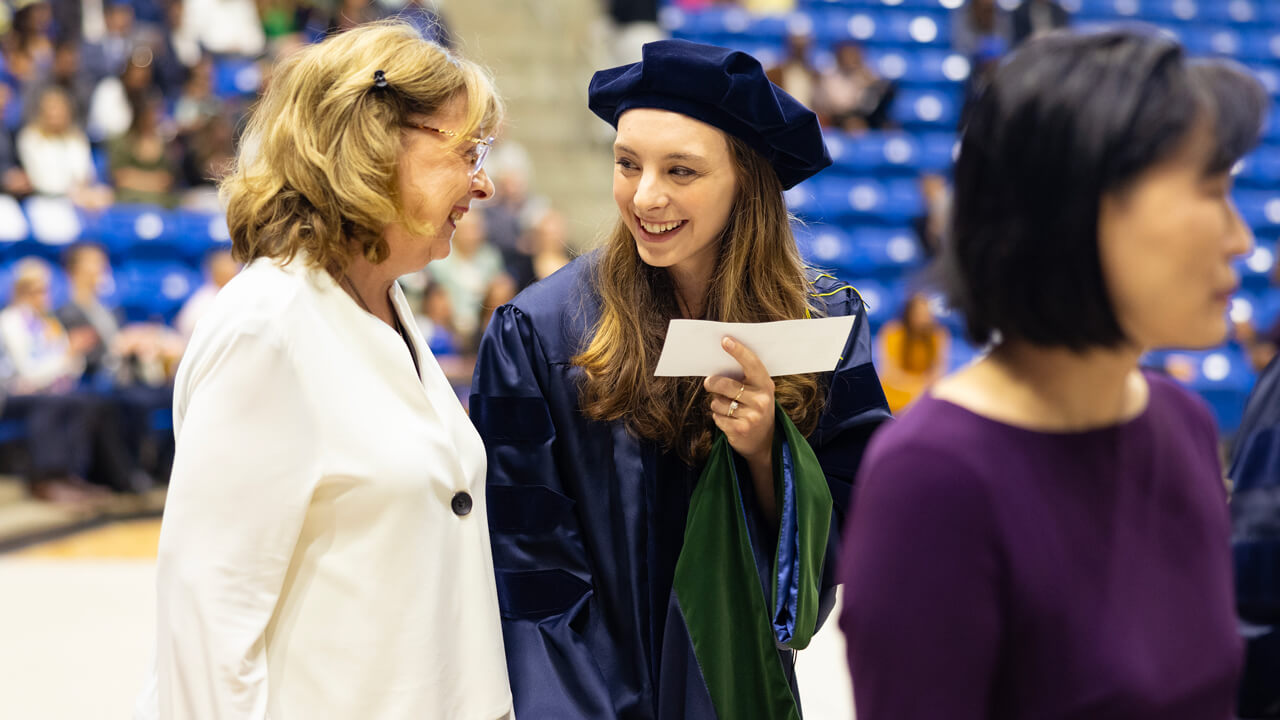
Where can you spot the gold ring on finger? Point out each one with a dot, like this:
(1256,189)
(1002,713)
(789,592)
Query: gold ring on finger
(738,397)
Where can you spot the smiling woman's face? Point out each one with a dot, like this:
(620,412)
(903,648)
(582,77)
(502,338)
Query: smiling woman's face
(674,183)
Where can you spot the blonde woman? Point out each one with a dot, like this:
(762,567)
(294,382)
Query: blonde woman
(325,551)
(659,541)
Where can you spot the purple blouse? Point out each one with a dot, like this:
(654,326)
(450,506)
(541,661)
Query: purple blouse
(998,573)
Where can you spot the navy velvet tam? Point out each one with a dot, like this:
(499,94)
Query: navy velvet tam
(724,88)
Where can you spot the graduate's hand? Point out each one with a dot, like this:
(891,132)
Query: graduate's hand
(744,409)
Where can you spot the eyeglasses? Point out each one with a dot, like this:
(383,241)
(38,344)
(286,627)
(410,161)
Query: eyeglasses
(480,146)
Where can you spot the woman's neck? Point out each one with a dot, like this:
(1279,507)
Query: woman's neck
(690,287)
(1051,389)
(372,286)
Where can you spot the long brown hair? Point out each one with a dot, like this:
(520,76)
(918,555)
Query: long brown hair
(318,166)
(759,276)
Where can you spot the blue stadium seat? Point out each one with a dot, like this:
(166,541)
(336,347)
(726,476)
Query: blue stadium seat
(138,231)
(875,151)
(927,109)
(1222,376)
(927,67)
(937,151)
(1259,208)
(865,251)
(197,232)
(154,290)
(55,223)
(1255,268)
(706,22)
(836,199)
(14,228)
(1218,41)
(1260,168)
(873,26)
(235,77)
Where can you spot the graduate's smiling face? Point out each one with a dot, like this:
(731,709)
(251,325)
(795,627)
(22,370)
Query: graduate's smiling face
(675,182)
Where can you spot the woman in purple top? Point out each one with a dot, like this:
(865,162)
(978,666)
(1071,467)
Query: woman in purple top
(1045,536)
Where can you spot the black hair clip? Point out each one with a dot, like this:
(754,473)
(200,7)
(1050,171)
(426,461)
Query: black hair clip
(379,79)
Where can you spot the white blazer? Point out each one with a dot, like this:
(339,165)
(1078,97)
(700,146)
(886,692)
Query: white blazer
(325,549)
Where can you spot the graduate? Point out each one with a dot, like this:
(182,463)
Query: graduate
(662,545)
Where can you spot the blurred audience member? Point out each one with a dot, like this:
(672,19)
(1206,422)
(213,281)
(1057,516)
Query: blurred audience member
(175,52)
(549,243)
(65,73)
(1036,17)
(107,56)
(224,27)
(472,266)
(142,167)
(197,103)
(219,268)
(850,95)
(435,320)
(13,179)
(56,155)
(32,32)
(115,98)
(931,227)
(44,356)
(979,26)
(633,23)
(913,352)
(87,269)
(796,73)
(207,155)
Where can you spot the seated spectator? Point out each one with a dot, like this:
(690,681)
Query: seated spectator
(549,243)
(435,320)
(66,73)
(87,268)
(44,357)
(219,268)
(1036,17)
(106,56)
(796,73)
(931,227)
(56,155)
(115,98)
(32,32)
(471,268)
(142,168)
(980,26)
(197,104)
(13,179)
(208,153)
(850,95)
(912,352)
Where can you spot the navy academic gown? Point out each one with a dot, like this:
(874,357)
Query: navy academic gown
(587,521)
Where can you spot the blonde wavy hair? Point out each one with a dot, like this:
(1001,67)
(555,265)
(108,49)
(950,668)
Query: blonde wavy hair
(317,169)
(759,276)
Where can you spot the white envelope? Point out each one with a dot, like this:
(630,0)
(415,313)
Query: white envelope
(786,347)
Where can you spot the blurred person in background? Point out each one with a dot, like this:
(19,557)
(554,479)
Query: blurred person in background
(912,352)
(117,97)
(219,267)
(224,27)
(13,179)
(107,56)
(850,94)
(435,320)
(56,155)
(1046,533)
(32,32)
(979,25)
(87,269)
(635,517)
(796,74)
(324,551)
(549,243)
(931,227)
(468,273)
(1037,17)
(65,72)
(142,162)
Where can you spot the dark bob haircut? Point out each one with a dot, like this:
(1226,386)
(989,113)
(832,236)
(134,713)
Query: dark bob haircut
(1066,120)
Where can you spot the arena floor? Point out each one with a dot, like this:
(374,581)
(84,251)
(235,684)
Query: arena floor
(76,630)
